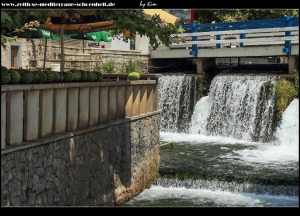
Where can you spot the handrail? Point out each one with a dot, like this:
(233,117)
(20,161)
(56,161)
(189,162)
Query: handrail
(242,28)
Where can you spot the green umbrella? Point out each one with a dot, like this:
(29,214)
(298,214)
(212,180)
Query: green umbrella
(41,33)
(94,36)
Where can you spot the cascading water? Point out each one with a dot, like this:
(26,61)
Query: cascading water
(177,98)
(232,154)
(241,107)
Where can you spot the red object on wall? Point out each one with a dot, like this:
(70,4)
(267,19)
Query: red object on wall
(192,15)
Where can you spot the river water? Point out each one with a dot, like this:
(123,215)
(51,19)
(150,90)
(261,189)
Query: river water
(229,156)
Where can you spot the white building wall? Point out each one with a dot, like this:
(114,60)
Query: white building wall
(142,44)
(119,44)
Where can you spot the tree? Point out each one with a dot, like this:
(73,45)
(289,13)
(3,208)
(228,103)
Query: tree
(20,22)
(134,21)
(231,15)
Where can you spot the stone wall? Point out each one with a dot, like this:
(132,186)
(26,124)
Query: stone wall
(76,56)
(104,167)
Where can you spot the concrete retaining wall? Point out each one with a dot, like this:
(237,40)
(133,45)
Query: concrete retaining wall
(104,166)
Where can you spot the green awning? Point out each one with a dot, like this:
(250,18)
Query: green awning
(41,33)
(94,36)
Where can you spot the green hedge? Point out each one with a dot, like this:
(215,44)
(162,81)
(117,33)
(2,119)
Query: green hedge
(23,76)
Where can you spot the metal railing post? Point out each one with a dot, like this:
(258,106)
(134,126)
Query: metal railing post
(218,37)
(242,36)
(287,47)
(194,51)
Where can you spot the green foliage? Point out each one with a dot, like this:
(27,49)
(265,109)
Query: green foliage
(3,69)
(99,76)
(56,76)
(5,77)
(26,76)
(108,67)
(50,77)
(135,21)
(232,15)
(61,76)
(42,76)
(83,76)
(68,76)
(14,76)
(20,23)
(132,65)
(77,75)
(285,93)
(91,76)
(134,76)
(98,67)
(36,77)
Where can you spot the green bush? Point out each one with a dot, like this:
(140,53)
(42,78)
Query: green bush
(83,76)
(99,76)
(77,75)
(36,77)
(14,76)
(134,76)
(98,67)
(108,67)
(26,76)
(5,77)
(56,76)
(42,76)
(133,65)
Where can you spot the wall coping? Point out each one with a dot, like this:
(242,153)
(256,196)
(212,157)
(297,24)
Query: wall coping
(66,135)
(19,87)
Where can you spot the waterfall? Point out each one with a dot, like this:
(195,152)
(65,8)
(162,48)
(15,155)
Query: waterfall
(238,106)
(177,98)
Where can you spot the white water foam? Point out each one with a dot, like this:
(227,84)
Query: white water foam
(286,146)
(284,149)
(203,197)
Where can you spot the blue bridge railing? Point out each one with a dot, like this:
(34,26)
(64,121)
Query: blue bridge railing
(242,28)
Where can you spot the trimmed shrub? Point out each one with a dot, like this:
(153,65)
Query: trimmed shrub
(14,76)
(83,76)
(5,77)
(77,75)
(36,77)
(99,76)
(68,76)
(26,76)
(50,77)
(134,76)
(42,76)
(57,78)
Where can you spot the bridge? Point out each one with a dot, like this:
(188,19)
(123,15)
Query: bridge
(254,38)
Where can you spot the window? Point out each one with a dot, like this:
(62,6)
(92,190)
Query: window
(15,55)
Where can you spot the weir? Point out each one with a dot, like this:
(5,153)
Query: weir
(238,106)
(177,98)
(233,143)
